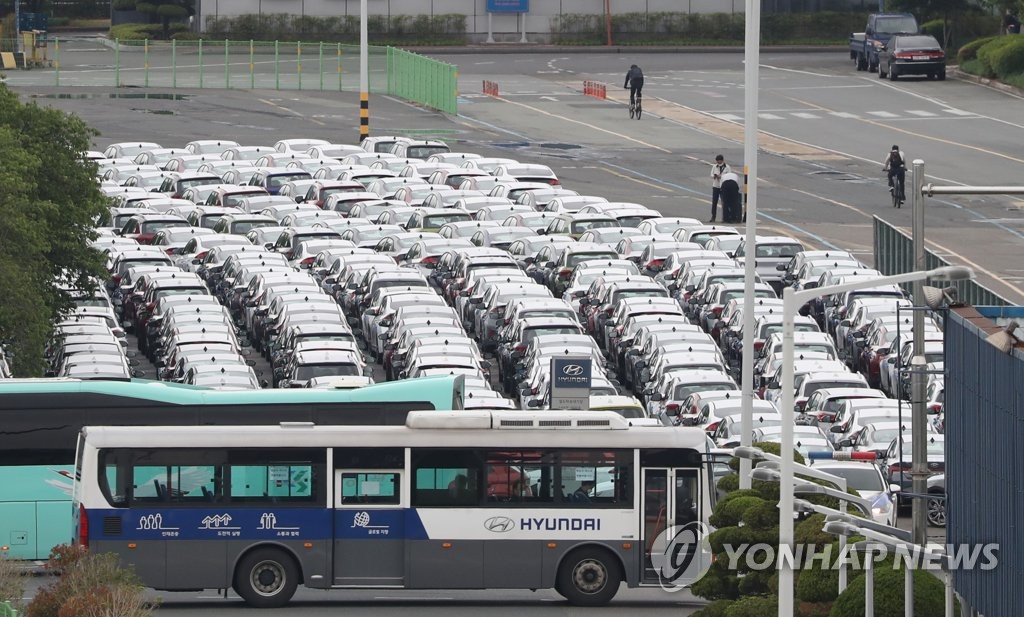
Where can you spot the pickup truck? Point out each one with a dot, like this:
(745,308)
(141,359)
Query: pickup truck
(864,46)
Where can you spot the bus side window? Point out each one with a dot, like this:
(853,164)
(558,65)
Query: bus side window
(446,478)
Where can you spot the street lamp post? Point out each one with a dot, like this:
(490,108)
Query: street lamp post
(791,302)
(364,73)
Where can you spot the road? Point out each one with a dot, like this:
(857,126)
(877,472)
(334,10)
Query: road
(418,603)
(824,131)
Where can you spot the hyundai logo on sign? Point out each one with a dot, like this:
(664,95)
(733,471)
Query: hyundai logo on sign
(571,374)
(499,524)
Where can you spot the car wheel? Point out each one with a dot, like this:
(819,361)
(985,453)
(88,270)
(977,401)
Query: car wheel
(942,74)
(266,578)
(892,73)
(936,512)
(862,62)
(589,577)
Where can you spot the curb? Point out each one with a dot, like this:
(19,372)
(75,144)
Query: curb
(985,81)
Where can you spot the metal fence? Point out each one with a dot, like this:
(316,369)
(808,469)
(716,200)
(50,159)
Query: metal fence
(272,65)
(984,413)
(894,254)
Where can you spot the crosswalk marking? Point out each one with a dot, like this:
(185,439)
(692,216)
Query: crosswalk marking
(923,114)
(729,117)
(845,114)
(805,115)
(883,114)
(958,112)
(769,117)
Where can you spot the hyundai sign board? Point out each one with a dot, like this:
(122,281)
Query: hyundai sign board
(570,382)
(508,6)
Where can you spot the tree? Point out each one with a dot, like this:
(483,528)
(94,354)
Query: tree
(166,11)
(48,210)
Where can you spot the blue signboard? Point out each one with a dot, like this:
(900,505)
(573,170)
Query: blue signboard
(572,373)
(508,6)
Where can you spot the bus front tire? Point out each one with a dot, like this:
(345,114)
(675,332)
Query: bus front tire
(266,578)
(589,577)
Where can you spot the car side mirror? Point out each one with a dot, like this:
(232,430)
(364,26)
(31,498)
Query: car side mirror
(655,396)
(549,265)
(781,267)
(533,403)
(846,443)
(895,488)
(836,429)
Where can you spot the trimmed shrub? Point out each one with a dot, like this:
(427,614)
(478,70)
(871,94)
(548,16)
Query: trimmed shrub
(731,512)
(402,30)
(813,609)
(817,584)
(729,484)
(762,517)
(1009,59)
(753,606)
(929,595)
(718,584)
(808,531)
(969,51)
(986,51)
(715,609)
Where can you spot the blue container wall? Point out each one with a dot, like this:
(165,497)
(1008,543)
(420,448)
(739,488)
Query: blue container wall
(984,409)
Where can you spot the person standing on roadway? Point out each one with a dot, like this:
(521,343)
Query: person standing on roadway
(635,83)
(719,169)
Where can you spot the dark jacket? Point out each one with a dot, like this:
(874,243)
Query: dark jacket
(634,78)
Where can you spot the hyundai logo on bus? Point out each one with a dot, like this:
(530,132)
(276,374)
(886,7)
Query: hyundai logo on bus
(499,524)
(570,382)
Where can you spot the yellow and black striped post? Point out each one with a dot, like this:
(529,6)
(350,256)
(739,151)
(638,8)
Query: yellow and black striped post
(364,115)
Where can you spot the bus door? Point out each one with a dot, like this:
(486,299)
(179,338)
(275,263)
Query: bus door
(369,528)
(669,501)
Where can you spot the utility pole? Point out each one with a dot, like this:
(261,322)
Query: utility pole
(918,424)
(364,74)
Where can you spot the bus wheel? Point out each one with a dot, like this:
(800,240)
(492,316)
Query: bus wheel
(589,577)
(266,578)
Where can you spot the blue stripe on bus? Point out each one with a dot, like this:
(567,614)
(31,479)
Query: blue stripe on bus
(255,524)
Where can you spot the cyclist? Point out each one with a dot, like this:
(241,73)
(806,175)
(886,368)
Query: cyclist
(635,83)
(896,164)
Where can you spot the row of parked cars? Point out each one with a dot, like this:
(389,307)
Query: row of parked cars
(401,258)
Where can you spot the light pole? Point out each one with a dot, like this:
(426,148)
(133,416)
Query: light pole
(791,301)
(364,74)
(751,75)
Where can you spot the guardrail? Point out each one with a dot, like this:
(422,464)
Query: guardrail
(894,254)
(227,64)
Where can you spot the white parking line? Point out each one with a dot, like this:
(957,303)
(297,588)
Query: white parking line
(769,117)
(923,114)
(883,114)
(844,114)
(806,116)
(729,117)
(959,112)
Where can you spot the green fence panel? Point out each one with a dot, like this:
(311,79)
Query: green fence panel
(894,254)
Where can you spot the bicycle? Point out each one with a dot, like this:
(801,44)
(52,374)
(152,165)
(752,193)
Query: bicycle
(897,188)
(635,108)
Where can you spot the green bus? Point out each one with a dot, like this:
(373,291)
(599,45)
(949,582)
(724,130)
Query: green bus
(40,420)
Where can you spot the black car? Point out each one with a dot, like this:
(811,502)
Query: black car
(912,55)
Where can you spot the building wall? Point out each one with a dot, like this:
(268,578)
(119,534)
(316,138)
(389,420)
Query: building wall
(984,413)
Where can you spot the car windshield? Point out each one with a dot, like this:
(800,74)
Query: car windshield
(234,200)
(148,228)
(859,479)
(884,435)
(210,221)
(819,385)
(579,227)
(278,180)
(306,372)
(186,184)
(436,220)
(549,313)
(532,333)
(422,152)
(682,391)
(777,250)
(574,260)
(242,227)
(895,25)
(639,293)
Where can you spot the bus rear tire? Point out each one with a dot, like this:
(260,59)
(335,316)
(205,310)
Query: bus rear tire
(589,577)
(266,578)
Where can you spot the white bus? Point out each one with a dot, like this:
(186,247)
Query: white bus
(452,500)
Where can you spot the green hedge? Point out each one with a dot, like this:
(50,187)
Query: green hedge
(929,594)
(447,29)
(142,32)
(969,51)
(988,50)
(1008,59)
(642,28)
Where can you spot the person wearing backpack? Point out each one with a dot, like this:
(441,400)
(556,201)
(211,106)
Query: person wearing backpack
(896,164)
